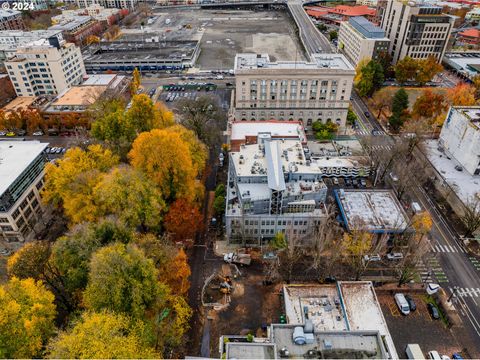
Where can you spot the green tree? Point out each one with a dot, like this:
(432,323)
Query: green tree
(131,196)
(351,116)
(406,69)
(72,252)
(371,78)
(27,314)
(333,35)
(110,123)
(219,205)
(123,280)
(104,335)
(220,190)
(324,131)
(385,60)
(399,109)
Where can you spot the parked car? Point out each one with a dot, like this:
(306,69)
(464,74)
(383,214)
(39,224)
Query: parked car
(457,356)
(458,168)
(3,133)
(363,182)
(10,134)
(38,133)
(355,182)
(335,181)
(373,257)
(411,303)
(367,114)
(432,309)
(402,303)
(47,150)
(394,256)
(21,132)
(59,150)
(348,182)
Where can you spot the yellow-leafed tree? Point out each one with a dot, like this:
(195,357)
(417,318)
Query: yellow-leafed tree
(461,95)
(135,85)
(104,335)
(27,314)
(165,157)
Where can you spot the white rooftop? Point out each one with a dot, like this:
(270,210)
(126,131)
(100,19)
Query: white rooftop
(466,186)
(278,129)
(15,156)
(372,210)
(347,306)
(319,61)
(251,160)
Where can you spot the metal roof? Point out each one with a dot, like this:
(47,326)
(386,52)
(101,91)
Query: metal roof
(276,180)
(367,28)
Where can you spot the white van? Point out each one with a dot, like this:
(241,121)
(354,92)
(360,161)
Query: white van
(434,355)
(414,351)
(402,304)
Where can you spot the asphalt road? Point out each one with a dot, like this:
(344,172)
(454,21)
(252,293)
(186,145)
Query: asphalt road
(313,40)
(446,248)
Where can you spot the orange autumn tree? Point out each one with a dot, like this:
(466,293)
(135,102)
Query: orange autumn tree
(177,278)
(183,220)
(461,95)
(429,105)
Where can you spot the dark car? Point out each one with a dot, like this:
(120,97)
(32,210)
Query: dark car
(411,303)
(432,309)
(367,114)
(348,182)
(457,356)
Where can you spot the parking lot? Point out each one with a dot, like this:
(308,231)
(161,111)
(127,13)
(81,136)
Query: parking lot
(418,327)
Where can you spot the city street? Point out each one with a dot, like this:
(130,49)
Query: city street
(454,267)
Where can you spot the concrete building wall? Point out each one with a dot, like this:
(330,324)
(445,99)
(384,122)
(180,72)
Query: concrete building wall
(38,70)
(357,47)
(413,33)
(461,138)
(296,95)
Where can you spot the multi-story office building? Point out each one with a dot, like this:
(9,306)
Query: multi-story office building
(11,20)
(21,171)
(416,29)
(45,67)
(359,39)
(77,29)
(105,16)
(276,186)
(318,90)
(119,4)
(460,136)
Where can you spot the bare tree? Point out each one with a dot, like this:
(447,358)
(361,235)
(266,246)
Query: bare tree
(471,216)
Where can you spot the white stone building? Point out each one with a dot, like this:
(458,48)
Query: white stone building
(276,186)
(360,39)
(21,174)
(46,66)
(318,90)
(460,137)
(119,4)
(416,29)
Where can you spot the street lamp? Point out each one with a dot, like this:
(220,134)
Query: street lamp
(454,292)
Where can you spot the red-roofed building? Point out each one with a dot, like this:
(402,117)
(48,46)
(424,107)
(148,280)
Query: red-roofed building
(341,13)
(470,36)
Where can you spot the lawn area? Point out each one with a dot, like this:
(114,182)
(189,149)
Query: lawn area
(415,92)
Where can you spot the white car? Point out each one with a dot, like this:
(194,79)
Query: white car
(394,256)
(373,257)
(3,133)
(38,133)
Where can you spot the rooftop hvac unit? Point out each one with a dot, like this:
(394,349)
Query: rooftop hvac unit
(327,344)
(299,336)
(284,353)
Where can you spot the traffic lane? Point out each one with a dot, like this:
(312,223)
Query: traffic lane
(361,115)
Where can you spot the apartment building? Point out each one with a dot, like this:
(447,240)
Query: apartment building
(318,90)
(45,67)
(416,29)
(78,28)
(473,14)
(460,137)
(11,20)
(11,40)
(119,4)
(360,39)
(277,186)
(21,171)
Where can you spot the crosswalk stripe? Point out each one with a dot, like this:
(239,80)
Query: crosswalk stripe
(453,249)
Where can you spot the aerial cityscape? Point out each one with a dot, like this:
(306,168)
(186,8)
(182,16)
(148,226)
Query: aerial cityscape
(240,179)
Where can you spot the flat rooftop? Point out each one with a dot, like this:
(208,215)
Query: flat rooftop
(15,157)
(19,102)
(376,211)
(242,350)
(367,28)
(250,61)
(466,186)
(242,129)
(80,96)
(347,306)
(99,79)
(472,113)
(71,23)
(138,51)
(465,62)
(251,160)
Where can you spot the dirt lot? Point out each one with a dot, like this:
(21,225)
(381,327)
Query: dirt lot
(417,328)
(252,306)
